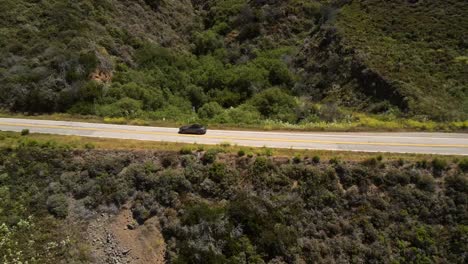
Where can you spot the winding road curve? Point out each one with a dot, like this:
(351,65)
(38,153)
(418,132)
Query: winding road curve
(424,143)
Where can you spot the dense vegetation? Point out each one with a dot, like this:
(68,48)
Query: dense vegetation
(235,61)
(421,47)
(220,208)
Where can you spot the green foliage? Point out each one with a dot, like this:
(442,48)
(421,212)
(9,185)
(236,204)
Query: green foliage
(297,158)
(125,107)
(439,164)
(217,172)
(25,132)
(335,161)
(154,56)
(426,183)
(90,146)
(211,155)
(152,99)
(276,104)
(210,110)
(241,153)
(463,165)
(415,46)
(91,91)
(206,42)
(186,150)
(234,53)
(243,114)
(57,205)
(372,162)
(197,96)
(316,159)
(331,113)
(169,160)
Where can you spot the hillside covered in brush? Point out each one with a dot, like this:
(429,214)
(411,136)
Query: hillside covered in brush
(235,61)
(61,204)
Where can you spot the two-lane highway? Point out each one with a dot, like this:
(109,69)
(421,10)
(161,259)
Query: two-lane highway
(427,143)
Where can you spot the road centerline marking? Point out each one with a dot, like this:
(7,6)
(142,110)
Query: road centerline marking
(125,131)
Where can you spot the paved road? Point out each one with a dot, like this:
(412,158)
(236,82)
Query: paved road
(428,143)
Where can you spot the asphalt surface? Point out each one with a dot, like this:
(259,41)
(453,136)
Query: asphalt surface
(425,143)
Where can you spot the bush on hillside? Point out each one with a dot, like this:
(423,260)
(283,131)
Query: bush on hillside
(210,110)
(330,112)
(244,114)
(125,107)
(25,132)
(276,104)
(57,204)
(206,42)
(463,165)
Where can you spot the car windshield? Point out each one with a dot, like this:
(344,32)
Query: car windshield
(196,126)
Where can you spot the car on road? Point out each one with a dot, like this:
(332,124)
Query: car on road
(193,129)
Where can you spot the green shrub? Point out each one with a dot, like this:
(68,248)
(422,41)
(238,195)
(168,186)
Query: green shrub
(330,112)
(372,162)
(210,110)
(150,55)
(115,120)
(422,164)
(206,42)
(335,160)
(307,112)
(274,103)
(152,99)
(426,183)
(241,153)
(217,172)
(463,165)
(197,96)
(297,158)
(57,205)
(25,132)
(267,152)
(210,156)
(89,146)
(186,150)
(91,91)
(140,213)
(200,148)
(169,160)
(125,107)
(316,159)
(82,108)
(439,164)
(225,144)
(261,165)
(244,114)
(400,162)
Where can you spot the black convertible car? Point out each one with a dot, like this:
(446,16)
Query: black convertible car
(193,129)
